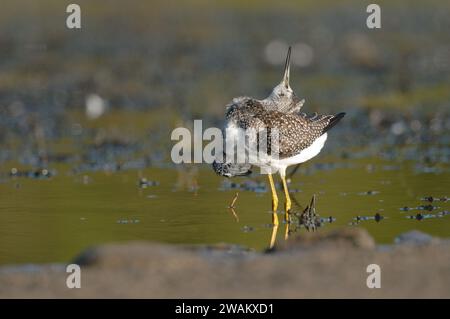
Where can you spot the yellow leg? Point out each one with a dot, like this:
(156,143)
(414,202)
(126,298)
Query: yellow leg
(274,236)
(274,200)
(286,232)
(288,199)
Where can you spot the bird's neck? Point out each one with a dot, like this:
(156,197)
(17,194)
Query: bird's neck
(274,104)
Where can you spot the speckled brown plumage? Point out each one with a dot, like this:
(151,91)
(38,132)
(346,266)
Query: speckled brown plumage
(296,131)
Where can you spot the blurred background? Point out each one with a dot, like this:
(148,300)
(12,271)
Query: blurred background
(86,115)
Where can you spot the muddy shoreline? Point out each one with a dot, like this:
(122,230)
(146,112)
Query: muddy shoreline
(315,265)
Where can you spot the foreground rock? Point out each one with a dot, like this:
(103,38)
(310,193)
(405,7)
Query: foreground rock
(314,265)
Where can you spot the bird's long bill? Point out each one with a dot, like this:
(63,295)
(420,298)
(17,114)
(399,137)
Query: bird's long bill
(287,68)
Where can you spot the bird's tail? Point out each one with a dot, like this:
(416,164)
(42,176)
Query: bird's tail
(334,120)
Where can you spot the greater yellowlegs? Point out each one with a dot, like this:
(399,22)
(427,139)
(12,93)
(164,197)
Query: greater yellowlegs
(300,136)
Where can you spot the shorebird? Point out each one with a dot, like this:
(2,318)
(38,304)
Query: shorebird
(300,136)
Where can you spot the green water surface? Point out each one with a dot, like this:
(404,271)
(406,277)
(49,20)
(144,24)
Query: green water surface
(52,220)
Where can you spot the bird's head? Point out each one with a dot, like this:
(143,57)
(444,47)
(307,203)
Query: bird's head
(282,94)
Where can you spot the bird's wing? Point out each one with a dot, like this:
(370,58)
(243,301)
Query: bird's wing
(298,131)
(295,131)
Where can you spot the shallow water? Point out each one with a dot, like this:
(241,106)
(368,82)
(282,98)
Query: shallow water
(53,219)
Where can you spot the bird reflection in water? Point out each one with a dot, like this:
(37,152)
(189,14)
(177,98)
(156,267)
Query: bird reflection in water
(300,217)
(306,217)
